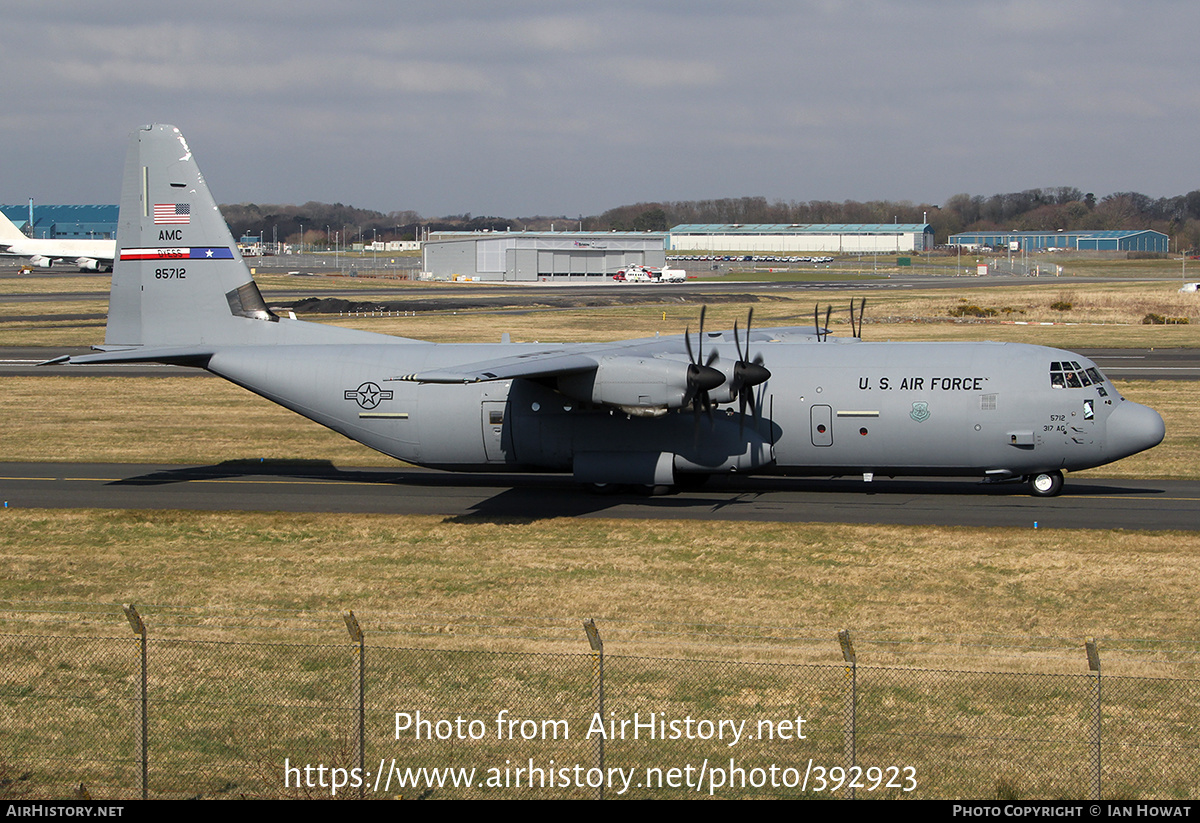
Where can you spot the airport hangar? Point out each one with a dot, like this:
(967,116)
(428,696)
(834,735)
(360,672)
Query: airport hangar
(529,256)
(829,238)
(65,222)
(1131,240)
(582,256)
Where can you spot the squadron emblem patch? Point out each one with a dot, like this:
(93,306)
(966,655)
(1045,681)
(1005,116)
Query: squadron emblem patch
(920,412)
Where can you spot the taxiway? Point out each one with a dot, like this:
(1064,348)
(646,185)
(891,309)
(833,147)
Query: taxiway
(316,486)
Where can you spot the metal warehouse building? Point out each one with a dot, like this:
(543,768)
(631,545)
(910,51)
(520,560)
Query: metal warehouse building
(832,238)
(66,222)
(535,255)
(1134,240)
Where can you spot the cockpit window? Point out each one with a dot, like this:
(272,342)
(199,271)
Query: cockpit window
(1068,374)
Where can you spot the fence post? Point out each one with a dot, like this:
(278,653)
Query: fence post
(356,634)
(1093,656)
(851,705)
(139,628)
(593,636)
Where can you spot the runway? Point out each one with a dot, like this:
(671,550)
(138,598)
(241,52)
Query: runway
(315,486)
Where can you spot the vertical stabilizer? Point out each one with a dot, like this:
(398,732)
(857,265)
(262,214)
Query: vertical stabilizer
(9,233)
(178,277)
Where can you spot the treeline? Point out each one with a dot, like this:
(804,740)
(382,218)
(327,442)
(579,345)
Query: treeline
(1050,209)
(327,224)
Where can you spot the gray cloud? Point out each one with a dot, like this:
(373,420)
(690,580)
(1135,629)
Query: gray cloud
(537,107)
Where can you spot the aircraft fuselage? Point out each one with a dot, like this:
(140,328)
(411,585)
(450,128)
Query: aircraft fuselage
(829,408)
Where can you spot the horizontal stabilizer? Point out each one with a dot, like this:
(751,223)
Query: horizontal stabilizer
(176,356)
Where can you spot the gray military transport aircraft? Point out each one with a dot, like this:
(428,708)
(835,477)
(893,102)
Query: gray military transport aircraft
(655,412)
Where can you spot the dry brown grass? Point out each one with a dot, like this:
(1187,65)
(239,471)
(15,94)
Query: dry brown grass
(1105,315)
(1176,457)
(56,284)
(1118,307)
(772,591)
(165,419)
(18,312)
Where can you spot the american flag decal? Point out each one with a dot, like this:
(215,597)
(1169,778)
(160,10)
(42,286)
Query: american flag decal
(172,213)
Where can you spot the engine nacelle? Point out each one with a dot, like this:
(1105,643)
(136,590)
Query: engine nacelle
(88,264)
(42,262)
(644,386)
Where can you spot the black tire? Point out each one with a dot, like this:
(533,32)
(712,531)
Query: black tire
(1046,484)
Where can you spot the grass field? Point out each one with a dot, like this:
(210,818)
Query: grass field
(949,599)
(1107,314)
(203,420)
(779,592)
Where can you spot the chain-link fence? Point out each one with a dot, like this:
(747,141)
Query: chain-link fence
(136,716)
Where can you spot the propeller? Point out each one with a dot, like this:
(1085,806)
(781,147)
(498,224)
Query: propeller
(747,373)
(856,330)
(817,327)
(701,379)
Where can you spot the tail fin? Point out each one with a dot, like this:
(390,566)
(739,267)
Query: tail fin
(178,279)
(9,233)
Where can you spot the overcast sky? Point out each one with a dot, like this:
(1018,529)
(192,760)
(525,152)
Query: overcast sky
(526,107)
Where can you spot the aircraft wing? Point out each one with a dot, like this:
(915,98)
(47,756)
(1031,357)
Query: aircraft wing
(530,365)
(636,357)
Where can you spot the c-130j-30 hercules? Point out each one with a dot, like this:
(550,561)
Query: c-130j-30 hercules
(659,411)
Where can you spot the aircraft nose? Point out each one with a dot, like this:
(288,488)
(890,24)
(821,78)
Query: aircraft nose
(1133,428)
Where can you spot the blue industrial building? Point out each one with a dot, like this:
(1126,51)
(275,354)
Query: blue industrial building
(1129,240)
(66,222)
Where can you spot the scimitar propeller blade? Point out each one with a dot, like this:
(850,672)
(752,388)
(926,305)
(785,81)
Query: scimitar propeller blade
(747,373)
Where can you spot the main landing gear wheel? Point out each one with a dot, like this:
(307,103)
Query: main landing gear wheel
(1046,484)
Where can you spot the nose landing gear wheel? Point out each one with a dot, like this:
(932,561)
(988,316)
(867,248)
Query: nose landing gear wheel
(1046,484)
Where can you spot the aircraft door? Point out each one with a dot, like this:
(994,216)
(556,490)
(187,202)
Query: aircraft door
(1082,429)
(822,425)
(493,429)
